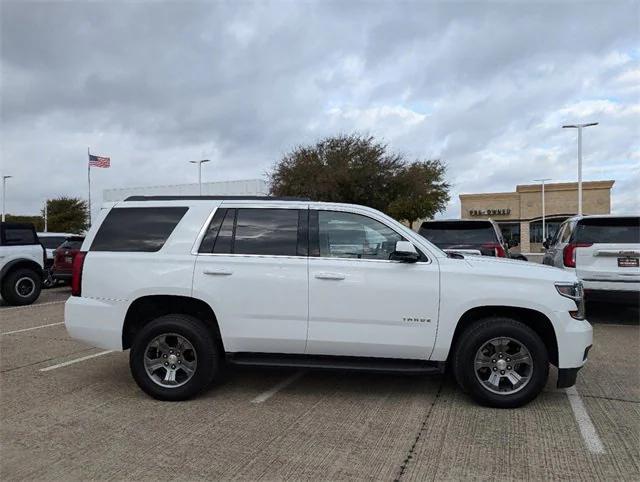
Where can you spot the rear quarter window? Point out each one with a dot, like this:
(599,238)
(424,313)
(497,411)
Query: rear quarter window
(18,236)
(608,231)
(137,229)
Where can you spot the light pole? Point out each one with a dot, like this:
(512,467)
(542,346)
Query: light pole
(544,235)
(579,127)
(4,194)
(199,163)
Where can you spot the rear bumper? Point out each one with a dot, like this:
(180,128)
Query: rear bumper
(617,285)
(95,322)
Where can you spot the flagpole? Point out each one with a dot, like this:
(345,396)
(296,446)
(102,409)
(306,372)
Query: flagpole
(89,180)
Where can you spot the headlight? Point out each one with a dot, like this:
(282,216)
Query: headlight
(575,292)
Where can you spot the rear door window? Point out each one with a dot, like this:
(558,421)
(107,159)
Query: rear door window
(260,231)
(459,233)
(266,231)
(608,231)
(137,229)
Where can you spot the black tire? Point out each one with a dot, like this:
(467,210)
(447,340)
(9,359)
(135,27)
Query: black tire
(14,284)
(204,346)
(479,334)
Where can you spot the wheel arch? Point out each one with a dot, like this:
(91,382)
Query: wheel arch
(147,308)
(18,264)
(535,320)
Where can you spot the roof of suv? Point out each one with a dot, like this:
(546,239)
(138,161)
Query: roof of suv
(579,217)
(215,198)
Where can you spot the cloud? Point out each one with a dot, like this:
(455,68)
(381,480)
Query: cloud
(485,87)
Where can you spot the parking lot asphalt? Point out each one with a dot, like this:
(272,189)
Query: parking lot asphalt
(70,411)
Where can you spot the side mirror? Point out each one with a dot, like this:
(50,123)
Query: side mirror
(545,243)
(405,252)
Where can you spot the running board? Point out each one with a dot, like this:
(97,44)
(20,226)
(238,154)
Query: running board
(325,362)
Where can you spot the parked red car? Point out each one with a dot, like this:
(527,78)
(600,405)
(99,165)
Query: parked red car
(63,258)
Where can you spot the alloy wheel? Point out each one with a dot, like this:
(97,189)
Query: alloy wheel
(170,360)
(503,365)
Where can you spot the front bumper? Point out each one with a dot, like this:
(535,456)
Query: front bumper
(574,338)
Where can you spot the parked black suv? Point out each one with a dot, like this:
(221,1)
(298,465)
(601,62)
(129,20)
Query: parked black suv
(480,237)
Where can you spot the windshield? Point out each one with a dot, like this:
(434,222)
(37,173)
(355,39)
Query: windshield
(446,234)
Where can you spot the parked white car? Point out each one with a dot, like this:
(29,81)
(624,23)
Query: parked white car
(22,260)
(604,253)
(189,283)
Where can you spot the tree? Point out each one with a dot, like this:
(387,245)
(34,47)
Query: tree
(349,169)
(360,170)
(67,215)
(423,192)
(37,221)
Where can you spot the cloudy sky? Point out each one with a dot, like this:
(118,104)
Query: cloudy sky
(483,86)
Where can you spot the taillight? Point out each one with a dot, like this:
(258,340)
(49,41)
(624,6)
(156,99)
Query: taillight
(497,248)
(76,273)
(569,253)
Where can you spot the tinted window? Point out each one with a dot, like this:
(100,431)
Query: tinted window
(72,243)
(565,236)
(347,235)
(16,236)
(52,242)
(608,230)
(445,234)
(224,240)
(266,231)
(206,246)
(137,229)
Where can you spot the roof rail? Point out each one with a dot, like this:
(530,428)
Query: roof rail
(215,198)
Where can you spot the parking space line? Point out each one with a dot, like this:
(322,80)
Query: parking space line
(587,429)
(77,360)
(264,396)
(32,328)
(31,307)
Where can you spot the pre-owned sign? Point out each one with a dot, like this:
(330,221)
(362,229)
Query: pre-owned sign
(489,212)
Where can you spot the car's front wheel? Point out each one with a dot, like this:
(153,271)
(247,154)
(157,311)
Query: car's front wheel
(173,357)
(501,362)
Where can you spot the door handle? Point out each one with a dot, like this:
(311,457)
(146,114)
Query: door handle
(218,272)
(335,276)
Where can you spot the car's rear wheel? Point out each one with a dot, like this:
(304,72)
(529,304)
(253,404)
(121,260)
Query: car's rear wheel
(21,287)
(174,357)
(501,362)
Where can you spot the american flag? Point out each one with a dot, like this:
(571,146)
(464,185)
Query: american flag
(98,161)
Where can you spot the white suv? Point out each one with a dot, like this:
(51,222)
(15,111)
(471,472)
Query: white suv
(22,260)
(604,253)
(191,283)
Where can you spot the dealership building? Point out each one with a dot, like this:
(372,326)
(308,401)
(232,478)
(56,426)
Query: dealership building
(519,213)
